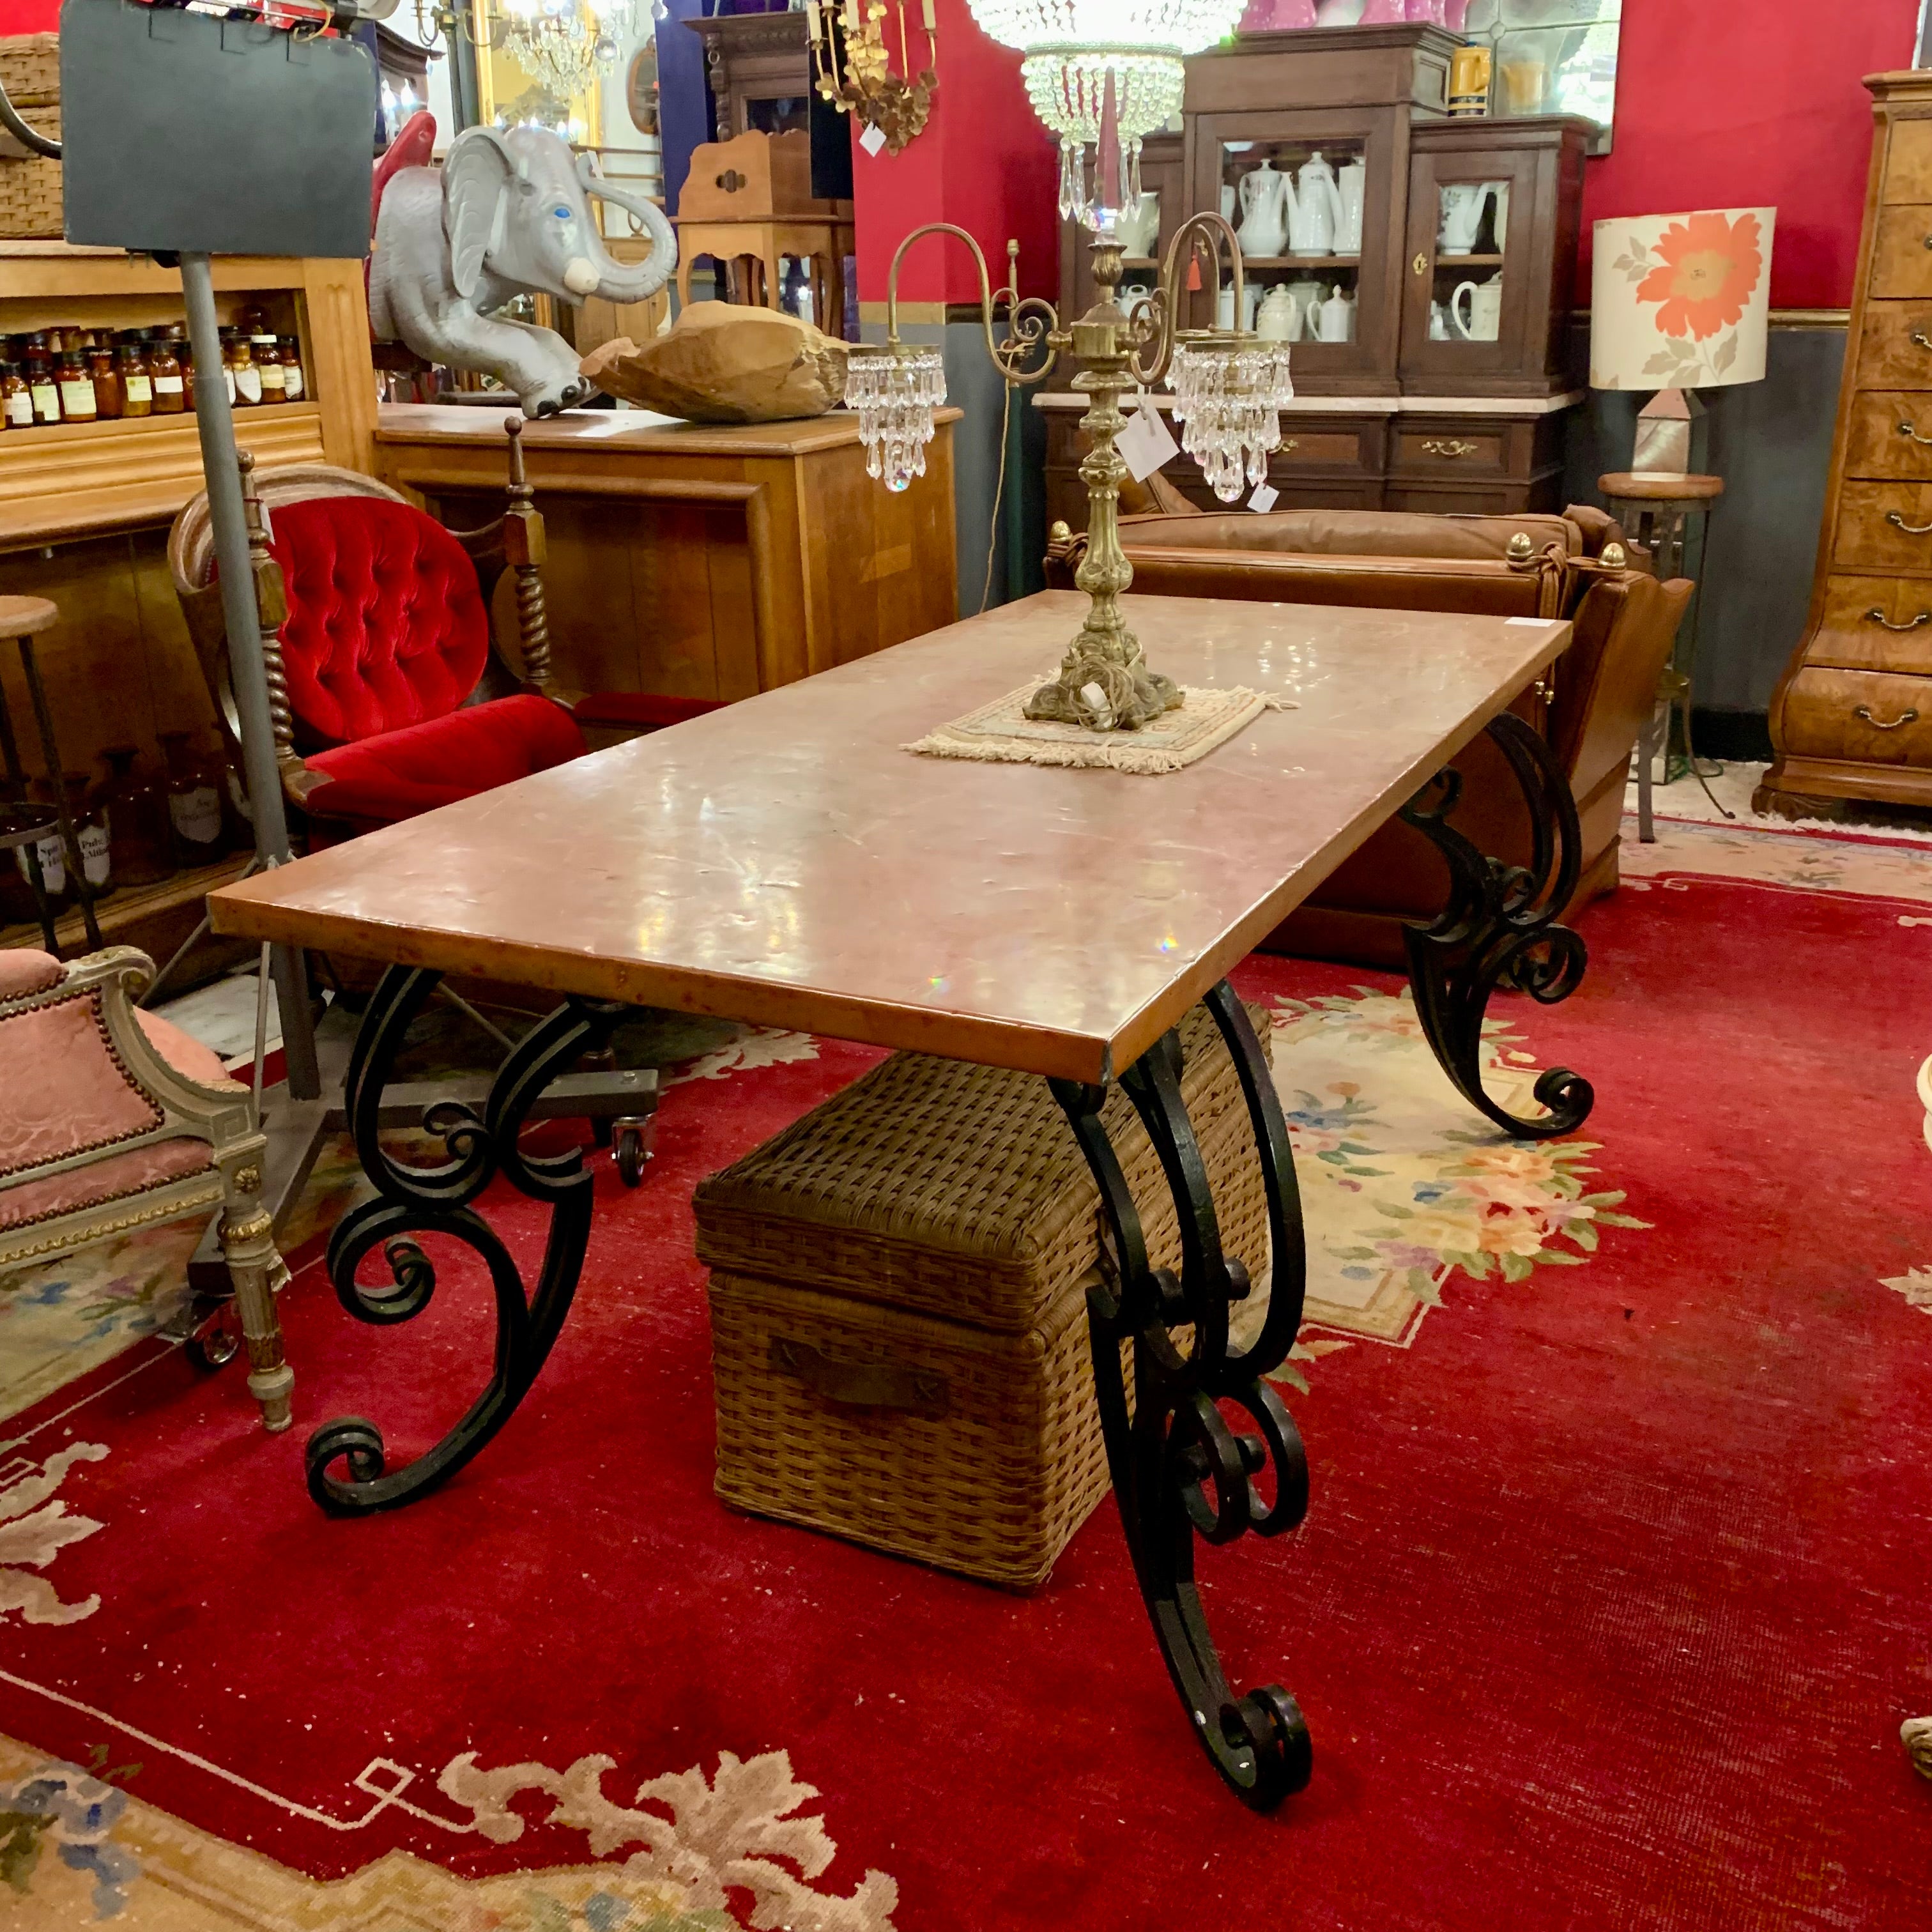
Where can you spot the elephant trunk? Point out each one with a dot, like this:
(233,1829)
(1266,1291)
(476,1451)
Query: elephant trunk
(616,282)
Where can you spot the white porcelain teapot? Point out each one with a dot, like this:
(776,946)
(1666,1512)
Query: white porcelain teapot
(1314,208)
(1265,197)
(1278,319)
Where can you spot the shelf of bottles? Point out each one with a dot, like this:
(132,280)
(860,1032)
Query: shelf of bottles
(1466,299)
(102,376)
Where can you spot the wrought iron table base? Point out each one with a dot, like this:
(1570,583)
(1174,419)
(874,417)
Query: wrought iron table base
(1179,1470)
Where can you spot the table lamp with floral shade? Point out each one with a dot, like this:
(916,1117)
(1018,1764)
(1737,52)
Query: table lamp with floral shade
(1678,303)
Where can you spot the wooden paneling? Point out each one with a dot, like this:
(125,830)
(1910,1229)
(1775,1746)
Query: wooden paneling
(1908,174)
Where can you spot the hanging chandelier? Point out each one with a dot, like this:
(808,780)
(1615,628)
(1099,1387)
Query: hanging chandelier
(1072,48)
(565,45)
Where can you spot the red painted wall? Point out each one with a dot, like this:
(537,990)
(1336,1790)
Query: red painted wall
(1751,103)
(29,17)
(983,161)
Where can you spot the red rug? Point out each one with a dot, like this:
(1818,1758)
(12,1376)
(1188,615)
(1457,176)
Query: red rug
(1612,1594)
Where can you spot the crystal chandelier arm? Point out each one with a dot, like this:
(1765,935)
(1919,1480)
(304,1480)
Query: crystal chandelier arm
(1157,322)
(1030,322)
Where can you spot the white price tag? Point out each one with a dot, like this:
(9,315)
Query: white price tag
(1542,623)
(1264,495)
(1146,442)
(872,140)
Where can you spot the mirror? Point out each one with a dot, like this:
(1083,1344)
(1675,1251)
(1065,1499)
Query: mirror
(1551,57)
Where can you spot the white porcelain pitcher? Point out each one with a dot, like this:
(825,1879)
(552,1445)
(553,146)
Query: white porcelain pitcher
(1314,209)
(1279,318)
(1462,203)
(1484,320)
(1139,227)
(1352,185)
(1266,196)
(1337,320)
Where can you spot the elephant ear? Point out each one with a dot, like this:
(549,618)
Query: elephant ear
(476,180)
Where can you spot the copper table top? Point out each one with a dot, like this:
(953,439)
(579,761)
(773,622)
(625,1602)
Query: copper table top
(785,861)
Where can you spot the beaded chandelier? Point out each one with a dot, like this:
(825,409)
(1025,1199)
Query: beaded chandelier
(1071,48)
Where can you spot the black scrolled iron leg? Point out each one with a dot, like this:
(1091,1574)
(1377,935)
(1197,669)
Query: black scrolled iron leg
(1179,1470)
(412,1200)
(1499,928)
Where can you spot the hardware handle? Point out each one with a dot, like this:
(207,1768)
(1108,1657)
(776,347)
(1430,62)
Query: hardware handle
(1924,340)
(1452,447)
(1289,442)
(1904,718)
(1421,265)
(1910,529)
(1906,429)
(861,1385)
(1875,616)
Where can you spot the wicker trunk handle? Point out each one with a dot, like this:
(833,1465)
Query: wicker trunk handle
(861,1385)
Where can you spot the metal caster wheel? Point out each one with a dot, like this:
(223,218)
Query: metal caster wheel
(632,1135)
(215,1344)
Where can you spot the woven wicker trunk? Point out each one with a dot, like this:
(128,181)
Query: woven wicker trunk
(899,1306)
(30,187)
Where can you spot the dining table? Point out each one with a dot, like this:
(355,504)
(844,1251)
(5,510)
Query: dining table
(789,862)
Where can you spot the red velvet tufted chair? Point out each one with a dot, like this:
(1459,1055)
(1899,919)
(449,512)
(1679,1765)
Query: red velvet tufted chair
(387,697)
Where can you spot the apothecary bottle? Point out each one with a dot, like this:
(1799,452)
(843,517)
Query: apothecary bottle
(295,384)
(17,401)
(137,382)
(110,402)
(170,386)
(194,800)
(268,359)
(43,385)
(78,402)
(141,845)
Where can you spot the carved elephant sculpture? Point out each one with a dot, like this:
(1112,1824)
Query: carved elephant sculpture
(508,213)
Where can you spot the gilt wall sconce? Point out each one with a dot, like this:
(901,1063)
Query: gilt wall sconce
(852,47)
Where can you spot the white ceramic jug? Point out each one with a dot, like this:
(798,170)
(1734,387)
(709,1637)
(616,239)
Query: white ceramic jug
(1486,310)
(1439,323)
(1228,202)
(1314,209)
(1224,305)
(1353,186)
(1462,216)
(1279,318)
(1265,196)
(1337,320)
(1139,227)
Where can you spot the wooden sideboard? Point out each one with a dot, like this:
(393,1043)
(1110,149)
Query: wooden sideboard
(1852,717)
(1493,456)
(694,559)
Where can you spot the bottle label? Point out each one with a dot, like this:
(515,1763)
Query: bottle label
(45,400)
(237,797)
(167,386)
(196,814)
(246,382)
(94,860)
(20,408)
(292,379)
(140,390)
(273,375)
(76,395)
(53,871)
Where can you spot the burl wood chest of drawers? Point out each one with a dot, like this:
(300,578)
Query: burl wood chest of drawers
(1852,717)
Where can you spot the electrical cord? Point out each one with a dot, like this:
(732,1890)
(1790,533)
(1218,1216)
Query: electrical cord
(999,491)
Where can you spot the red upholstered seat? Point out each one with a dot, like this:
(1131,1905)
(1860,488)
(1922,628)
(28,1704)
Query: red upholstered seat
(386,636)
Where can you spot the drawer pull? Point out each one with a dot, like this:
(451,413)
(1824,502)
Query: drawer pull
(1287,443)
(1875,616)
(1924,340)
(1906,429)
(861,1385)
(1910,529)
(1453,446)
(1904,718)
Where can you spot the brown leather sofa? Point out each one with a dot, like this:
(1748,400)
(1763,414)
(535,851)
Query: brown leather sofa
(1598,695)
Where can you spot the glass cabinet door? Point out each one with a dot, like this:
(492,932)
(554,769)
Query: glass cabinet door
(1308,196)
(1471,223)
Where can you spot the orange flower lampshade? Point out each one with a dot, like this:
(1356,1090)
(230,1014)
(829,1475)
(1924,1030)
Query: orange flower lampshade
(1681,301)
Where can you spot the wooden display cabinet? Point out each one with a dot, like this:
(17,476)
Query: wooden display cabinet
(758,67)
(1407,412)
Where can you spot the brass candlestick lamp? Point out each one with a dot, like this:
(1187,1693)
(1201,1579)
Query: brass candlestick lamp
(1228,387)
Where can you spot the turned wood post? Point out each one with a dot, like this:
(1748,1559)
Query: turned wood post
(272,601)
(523,550)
